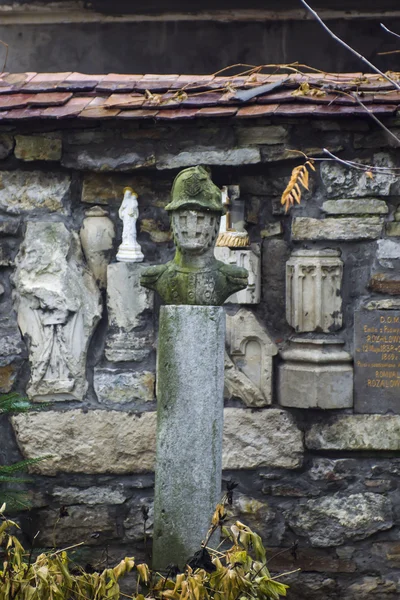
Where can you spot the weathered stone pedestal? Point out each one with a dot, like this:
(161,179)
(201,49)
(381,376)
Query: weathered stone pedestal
(316,373)
(190,382)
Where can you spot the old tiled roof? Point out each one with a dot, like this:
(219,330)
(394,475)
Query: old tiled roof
(75,95)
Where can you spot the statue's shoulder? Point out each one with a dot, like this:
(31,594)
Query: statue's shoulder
(151,275)
(233,273)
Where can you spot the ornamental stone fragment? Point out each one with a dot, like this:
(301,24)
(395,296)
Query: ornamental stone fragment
(313,290)
(249,366)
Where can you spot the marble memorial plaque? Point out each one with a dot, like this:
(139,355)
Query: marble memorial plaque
(377,361)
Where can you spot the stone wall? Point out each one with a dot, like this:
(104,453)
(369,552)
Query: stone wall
(317,461)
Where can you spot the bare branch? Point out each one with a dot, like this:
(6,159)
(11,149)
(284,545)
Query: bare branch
(389,30)
(355,165)
(343,43)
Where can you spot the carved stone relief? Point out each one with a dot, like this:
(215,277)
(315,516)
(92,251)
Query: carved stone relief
(130,335)
(58,306)
(248,362)
(313,285)
(250,260)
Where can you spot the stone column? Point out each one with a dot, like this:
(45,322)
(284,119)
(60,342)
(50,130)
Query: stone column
(190,382)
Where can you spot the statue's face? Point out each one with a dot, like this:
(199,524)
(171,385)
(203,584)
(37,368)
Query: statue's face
(195,231)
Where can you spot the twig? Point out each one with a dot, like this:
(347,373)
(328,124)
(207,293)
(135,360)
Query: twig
(389,30)
(67,548)
(287,573)
(352,50)
(355,165)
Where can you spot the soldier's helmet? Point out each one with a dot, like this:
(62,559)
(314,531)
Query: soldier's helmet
(194,189)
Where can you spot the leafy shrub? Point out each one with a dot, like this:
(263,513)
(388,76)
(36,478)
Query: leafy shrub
(239,573)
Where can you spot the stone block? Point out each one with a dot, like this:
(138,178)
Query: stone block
(313,290)
(355,206)
(316,373)
(58,306)
(384,304)
(7,378)
(385,283)
(108,188)
(309,560)
(393,229)
(108,156)
(333,520)
(31,191)
(388,250)
(275,253)
(383,587)
(376,139)
(97,441)
(90,496)
(38,147)
(9,226)
(102,441)
(157,231)
(90,525)
(6,145)
(356,433)
(250,260)
(339,180)
(249,366)
(130,335)
(266,438)
(8,250)
(341,229)
(116,386)
(272,229)
(134,526)
(11,346)
(269,135)
(207,156)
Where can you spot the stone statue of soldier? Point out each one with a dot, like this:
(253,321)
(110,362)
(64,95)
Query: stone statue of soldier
(195,276)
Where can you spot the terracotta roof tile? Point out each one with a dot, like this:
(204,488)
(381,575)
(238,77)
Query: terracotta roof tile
(23,113)
(79,82)
(155,83)
(49,98)
(203,99)
(257,110)
(45,82)
(14,81)
(71,109)
(125,100)
(14,100)
(180,113)
(192,81)
(137,114)
(294,110)
(116,82)
(98,109)
(170,97)
(217,111)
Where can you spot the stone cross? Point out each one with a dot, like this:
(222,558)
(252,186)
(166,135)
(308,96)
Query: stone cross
(190,370)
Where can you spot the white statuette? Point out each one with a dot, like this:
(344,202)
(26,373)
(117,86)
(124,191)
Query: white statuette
(129,250)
